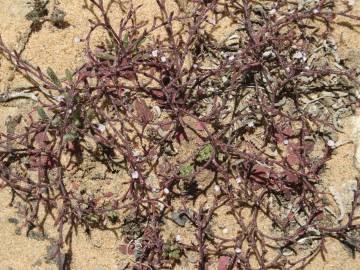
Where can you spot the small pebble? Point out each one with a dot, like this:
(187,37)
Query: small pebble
(166,191)
(77,40)
(238,250)
(178,238)
(163,59)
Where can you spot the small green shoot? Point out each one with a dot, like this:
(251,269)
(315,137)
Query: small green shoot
(113,217)
(71,136)
(54,79)
(205,153)
(125,40)
(42,114)
(186,170)
(58,17)
(38,11)
(68,75)
(173,251)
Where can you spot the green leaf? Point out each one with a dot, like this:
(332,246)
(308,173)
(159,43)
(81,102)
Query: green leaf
(113,217)
(175,254)
(56,121)
(109,44)
(126,40)
(33,16)
(187,170)
(139,42)
(57,17)
(53,77)
(105,56)
(68,75)
(76,118)
(71,136)
(92,218)
(205,153)
(42,114)
(90,114)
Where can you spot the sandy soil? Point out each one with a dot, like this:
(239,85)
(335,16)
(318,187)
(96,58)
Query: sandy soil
(59,49)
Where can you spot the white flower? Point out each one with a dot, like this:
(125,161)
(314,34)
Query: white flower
(225,231)
(286,142)
(331,143)
(251,124)
(154,53)
(268,54)
(195,66)
(316,11)
(60,98)
(299,55)
(211,89)
(135,175)
(77,40)
(163,59)
(217,189)
(272,11)
(238,180)
(238,250)
(136,152)
(231,58)
(101,127)
(166,191)
(351,2)
(307,68)
(178,238)
(161,206)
